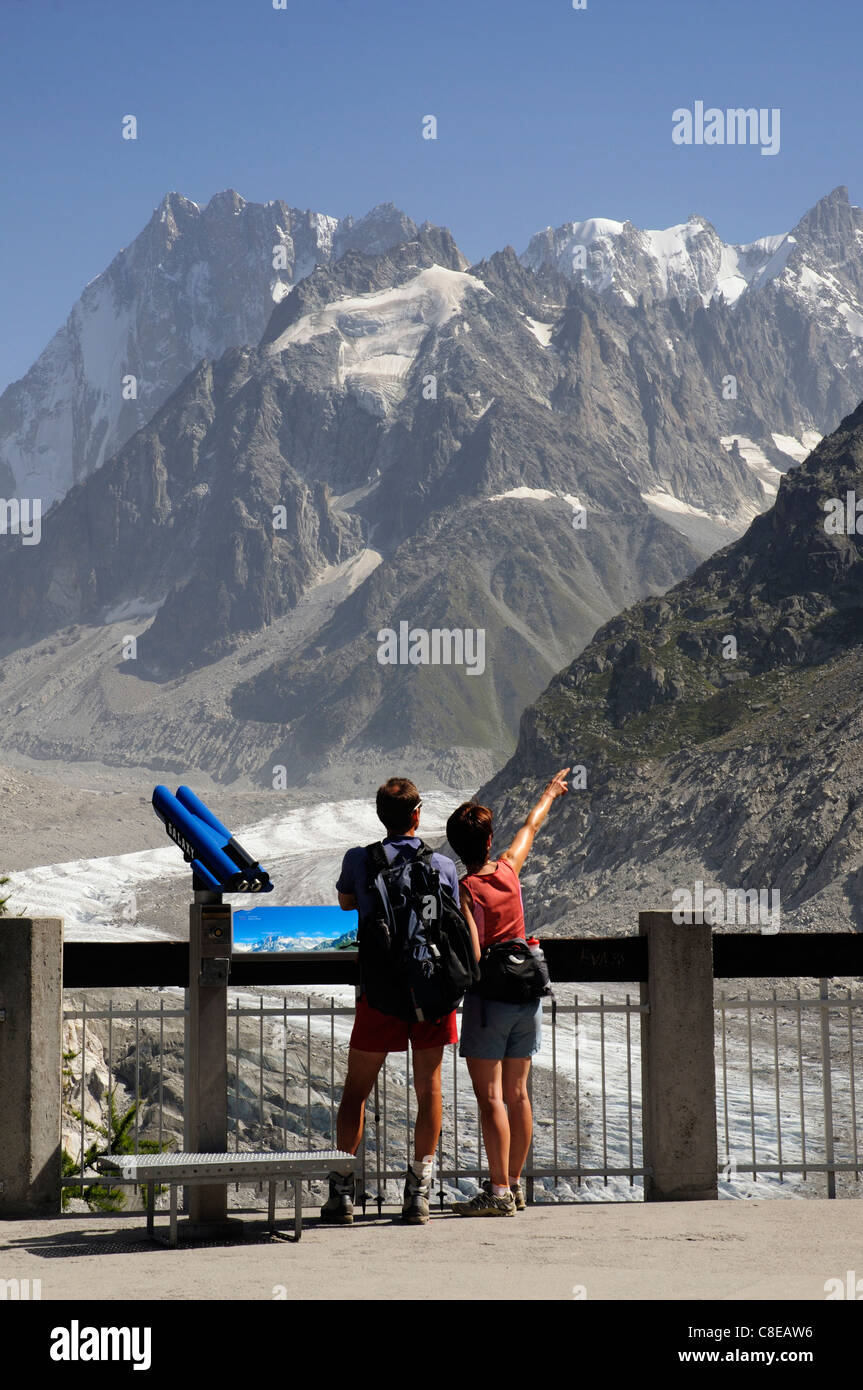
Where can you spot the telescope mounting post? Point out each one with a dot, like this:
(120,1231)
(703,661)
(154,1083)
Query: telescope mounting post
(207,1077)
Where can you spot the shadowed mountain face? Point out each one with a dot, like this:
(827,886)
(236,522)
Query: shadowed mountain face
(412,446)
(720,728)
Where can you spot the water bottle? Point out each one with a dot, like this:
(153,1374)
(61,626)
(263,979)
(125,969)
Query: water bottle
(543,978)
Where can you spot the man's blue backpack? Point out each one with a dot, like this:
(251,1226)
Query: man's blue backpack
(415,948)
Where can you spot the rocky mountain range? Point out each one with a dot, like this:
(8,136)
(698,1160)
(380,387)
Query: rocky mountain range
(502,449)
(195,282)
(198,281)
(816,260)
(719,728)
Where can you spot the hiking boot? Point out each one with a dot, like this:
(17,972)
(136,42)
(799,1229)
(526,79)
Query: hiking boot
(338,1209)
(486,1204)
(517,1193)
(516,1189)
(415,1207)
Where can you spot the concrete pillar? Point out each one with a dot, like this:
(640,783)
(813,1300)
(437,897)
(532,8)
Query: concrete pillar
(31,1060)
(677,1063)
(207,1077)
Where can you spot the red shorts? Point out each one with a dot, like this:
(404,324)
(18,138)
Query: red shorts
(377,1032)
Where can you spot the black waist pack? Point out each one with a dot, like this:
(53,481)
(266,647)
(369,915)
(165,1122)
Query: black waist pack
(511,973)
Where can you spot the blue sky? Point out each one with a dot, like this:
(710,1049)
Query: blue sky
(545,114)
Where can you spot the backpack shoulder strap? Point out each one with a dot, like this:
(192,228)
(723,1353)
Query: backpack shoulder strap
(423,856)
(376,860)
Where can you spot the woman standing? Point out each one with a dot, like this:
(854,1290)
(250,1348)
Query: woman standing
(498,1039)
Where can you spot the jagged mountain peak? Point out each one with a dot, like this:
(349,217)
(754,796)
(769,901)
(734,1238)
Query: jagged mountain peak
(385,227)
(628,263)
(193,283)
(836,201)
(174,210)
(359,272)
(174,199)
(226,198)
(382,213)
(833,225)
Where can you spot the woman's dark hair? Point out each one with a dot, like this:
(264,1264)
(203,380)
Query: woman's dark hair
(468,830)
(396,802)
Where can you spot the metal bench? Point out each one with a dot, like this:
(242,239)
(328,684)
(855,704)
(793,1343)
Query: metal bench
(175,1170)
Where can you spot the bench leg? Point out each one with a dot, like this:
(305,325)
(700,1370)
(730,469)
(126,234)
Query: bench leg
(151,1208)
(298,1208)
(271,1207)
(173,1234)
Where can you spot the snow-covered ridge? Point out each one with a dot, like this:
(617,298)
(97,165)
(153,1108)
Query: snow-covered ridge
(382,332)
(679,261)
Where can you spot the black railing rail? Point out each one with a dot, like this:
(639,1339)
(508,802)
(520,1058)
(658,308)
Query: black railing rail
(753,955)
(736,955)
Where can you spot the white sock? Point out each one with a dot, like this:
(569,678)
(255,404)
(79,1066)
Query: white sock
(499,1191)
(424,1168)
(514,1182)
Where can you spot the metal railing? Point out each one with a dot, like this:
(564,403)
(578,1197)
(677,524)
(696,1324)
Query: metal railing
(286,1063)
(786,1070)
(787,1085)
(99,1125)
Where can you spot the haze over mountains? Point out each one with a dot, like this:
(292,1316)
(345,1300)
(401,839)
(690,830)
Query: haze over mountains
(522,447)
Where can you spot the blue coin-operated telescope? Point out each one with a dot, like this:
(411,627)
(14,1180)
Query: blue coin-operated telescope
(219,863)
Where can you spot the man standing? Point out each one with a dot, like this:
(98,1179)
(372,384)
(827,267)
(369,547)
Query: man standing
(375,1034)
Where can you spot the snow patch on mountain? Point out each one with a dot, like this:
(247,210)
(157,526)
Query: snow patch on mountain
(853,319)
(132,610)
(535,494)
(521,494)
(345,501)
(757,262)
(779,249)
(797,449)
(755,458)
(382,332)
(787,444)
(541,331)
(707,532)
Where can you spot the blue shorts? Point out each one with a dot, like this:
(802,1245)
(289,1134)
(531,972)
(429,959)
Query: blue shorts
(511,1030)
